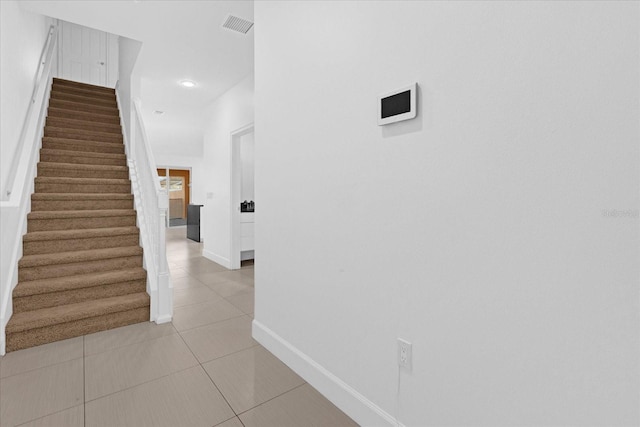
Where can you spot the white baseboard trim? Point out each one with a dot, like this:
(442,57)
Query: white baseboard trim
(163,319)
(217,259)
(350,401)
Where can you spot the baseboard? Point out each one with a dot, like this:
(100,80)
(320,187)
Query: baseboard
(350,401)
(163,319)
(217,259)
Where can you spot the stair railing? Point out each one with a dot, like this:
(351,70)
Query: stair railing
(16,200)
(28,133)
(151,203)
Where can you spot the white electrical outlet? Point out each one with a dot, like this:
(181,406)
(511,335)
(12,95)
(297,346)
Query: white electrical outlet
(404,354)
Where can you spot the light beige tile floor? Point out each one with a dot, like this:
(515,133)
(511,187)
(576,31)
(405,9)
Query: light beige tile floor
(203,369)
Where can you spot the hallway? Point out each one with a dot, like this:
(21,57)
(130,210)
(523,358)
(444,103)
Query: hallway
(203,369)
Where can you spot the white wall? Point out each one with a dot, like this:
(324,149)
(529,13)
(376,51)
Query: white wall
(480,231)
(128,80)
(230,112)
(22,38)
(247,165)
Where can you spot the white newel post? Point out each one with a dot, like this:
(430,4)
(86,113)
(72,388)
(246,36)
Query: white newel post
(165,296)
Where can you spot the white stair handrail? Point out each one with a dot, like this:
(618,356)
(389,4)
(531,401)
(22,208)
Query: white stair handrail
(23,148)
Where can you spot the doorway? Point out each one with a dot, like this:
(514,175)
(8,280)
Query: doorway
(242,196)
(179,185)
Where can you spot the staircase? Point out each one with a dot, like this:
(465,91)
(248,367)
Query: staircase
(81,270)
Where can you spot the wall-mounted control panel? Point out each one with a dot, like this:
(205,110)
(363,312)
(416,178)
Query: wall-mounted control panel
(401,104)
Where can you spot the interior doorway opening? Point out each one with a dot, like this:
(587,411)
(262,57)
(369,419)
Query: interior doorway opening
(242,197)
(178,181)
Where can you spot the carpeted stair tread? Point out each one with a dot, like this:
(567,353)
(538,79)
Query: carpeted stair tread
(86,86)
(67,283)
(80,146)
(82,157)
(82,142)
(81,214)
(63,122)
(101,90)
(95,181)
(77,106)
(79,170)
(84,196)
(74,166)
(85,222)
(70,153)
(38,236)
(86,116)
(28,261)
(83,99)
(56,237)
(73,312)
(82,134)
(80,201)
(89,93)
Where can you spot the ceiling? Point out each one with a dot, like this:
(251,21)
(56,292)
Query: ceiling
(181,40)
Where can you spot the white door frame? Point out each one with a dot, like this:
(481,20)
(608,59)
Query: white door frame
(234,194)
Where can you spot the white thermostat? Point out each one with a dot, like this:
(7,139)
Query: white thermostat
(398,105)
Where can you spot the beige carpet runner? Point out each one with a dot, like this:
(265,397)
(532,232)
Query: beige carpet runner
(81,270)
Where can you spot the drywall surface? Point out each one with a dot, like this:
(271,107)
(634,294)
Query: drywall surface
(232,111)
(497,231)
(128,82)
(22,39)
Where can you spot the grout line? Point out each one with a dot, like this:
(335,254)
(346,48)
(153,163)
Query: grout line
(208,324)
(209,376)
(142,383)
(42,367)
(269,400)
(175,331)
(231,354)
(45,416)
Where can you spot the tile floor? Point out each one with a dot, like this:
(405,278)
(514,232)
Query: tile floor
(204,369)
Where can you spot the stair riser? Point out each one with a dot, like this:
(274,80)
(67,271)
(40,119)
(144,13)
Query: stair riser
(80,223)
(100,96)
(85,267)
(81,115)
(80,160)
(53,299)
(82,188)
(62,331)
(82,173)
(83,125)
(78,148)
(79,205)
(66,245)
(83,135)
(81,99)
(74,106)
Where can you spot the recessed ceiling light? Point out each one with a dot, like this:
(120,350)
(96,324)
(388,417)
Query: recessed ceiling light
(158,112)
(188,83)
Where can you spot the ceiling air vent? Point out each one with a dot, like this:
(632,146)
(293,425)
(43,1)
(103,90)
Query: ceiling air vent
(237,24)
